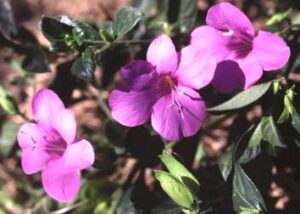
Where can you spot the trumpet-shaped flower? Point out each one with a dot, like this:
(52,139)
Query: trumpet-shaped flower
(242,55)
(162,88)
(50,145)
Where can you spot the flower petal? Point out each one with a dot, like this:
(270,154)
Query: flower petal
(179,115)
(138,75)
(225,17)
(60,182)
(31,140)
(131,108)
(45,104)
(196,68)
(228,77)
(162,54)
(212,41)
(63,121)
(270,50)
(252,70)
(79,155)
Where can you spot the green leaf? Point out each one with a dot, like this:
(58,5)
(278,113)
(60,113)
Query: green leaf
(278,17)
(270,132)
(7,102)
(238,152)
(175,189)
(85,34)
(296,121)
(84,67)
(250,211)
(225,162)
(125,20)
(8,138)
(7,23)
(246,196)
(56,28)
(256,137)
(179,171)
(243,99)
(187,15)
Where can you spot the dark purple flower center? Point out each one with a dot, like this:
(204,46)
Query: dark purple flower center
(239,42)
(167,83)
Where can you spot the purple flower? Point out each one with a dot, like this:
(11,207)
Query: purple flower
(162,88)
(50,145)
(230,37)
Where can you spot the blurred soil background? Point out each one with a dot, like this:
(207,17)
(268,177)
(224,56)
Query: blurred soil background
(280,184)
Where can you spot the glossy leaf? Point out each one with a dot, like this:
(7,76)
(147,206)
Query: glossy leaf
(179,171)
(246,196)
(7,23)
(175,189)
(7,102)
(243,99)
(125,20)
(84,67)
(85,34)
(56,28)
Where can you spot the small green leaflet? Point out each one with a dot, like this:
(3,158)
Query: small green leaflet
(125,20)
(175,189)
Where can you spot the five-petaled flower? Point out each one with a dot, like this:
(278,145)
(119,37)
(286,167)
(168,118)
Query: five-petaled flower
(241,54)
(163,88)
(50,145)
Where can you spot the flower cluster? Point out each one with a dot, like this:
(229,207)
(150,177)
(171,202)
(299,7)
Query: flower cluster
(226,52)
(50,145)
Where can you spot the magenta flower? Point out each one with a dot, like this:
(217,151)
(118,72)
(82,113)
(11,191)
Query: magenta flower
(50,145)
(242,55)
(162,88)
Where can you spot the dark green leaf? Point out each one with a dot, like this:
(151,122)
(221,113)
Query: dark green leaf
(175,189)
(56,28)
(7,23)
(84,67)
(249,154)
(245,194)
(243,99)
(234,153)
(270,132)
(179,171)
(225,162)
(125,20)
(187,15)
(296,121)
(85,34)
(7,102)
